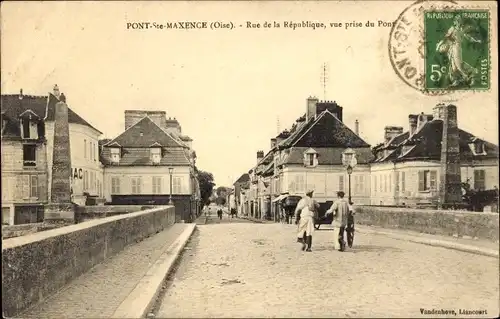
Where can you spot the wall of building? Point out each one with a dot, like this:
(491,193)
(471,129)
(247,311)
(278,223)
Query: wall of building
(87,171)
(53,258)
(327,181)
(22,185)
(180,177)
(399,184)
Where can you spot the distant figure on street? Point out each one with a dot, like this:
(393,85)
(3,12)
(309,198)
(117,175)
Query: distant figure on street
(219,212)
(340,209)
(304,215)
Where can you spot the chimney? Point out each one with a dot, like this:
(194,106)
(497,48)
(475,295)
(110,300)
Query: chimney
(311,107)
(56,91)
(21,94)
(173,126)
(450,191)
(260,156)
(134,116)
(331,106)
(391,131)
(413,119)
(422,119)
(356,127)
(273,143)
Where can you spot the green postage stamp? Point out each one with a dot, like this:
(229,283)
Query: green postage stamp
(457,50)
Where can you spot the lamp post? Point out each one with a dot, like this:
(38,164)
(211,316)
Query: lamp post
(349,161)
(170,171)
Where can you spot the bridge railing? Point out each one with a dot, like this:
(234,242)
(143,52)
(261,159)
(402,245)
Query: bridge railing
(480,225)
(37,265)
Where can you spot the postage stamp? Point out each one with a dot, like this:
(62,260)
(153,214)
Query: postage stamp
(457,50)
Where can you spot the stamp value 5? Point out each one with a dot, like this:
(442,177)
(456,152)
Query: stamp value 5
(457,50)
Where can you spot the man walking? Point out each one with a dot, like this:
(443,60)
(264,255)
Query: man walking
(304,213)
(340,209)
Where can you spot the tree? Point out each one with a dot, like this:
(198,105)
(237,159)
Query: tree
(206,181)
(222,193)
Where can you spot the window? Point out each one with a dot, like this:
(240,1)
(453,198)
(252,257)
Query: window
(341,183)
(91,147)
(361,184)
(177,186)
(96,152)
(29,185)
(84,148)
(403,182)
(29,155)
(157,184)
(385,183)
(381,184)
(115,155)
(427,180)
(34,186)
(26,128)
(85,181)
(479,179)
(156,155)
(300,183)
(310,159)
(92,180)
(136,185)
(375,183)
(389,185)
(115,185)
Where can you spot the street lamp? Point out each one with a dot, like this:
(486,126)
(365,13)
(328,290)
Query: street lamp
(170,171)
(349,160)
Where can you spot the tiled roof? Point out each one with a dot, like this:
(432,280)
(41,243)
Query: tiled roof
(268,170)
(243,178)
(425,144)
(43,106)
(145,133)
(323,131)
(142,157)
(327,156)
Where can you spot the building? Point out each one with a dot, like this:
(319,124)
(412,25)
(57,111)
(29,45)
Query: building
(27,149)
(426,164)
(151,162)
(310,156)
(240,187)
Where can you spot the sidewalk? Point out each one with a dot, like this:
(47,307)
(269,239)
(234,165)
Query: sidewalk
(101,291)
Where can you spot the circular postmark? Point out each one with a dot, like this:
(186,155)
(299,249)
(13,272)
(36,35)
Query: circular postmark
(407,43)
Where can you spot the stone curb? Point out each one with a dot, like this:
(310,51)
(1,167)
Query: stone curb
(140,301)
(434,242)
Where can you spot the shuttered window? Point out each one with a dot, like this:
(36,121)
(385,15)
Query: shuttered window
(177,187)
(403,182)
(341,183)
(427,180)
(479,179)
(156,184)
(136,185)
(115,185)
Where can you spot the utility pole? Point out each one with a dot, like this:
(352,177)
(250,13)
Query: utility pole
(324,78)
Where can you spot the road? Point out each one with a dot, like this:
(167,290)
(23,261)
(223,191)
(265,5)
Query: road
(240,269)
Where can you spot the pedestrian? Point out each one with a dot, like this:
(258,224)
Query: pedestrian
(340,209)
(350,225)
(219,213)
(304,216)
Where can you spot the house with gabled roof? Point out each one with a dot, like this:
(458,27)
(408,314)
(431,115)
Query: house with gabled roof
(427,164)
(309,156)
(150,164)
(27,149)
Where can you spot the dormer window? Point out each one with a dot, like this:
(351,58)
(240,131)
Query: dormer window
(310,158)
(29,125)
(115,155)
(156,155)
(477,147)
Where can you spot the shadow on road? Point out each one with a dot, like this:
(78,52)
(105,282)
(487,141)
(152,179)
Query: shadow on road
(361,248)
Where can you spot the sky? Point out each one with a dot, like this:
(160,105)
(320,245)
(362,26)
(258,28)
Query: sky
(229,89)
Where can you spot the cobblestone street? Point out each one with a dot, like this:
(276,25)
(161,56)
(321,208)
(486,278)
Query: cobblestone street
(258,270)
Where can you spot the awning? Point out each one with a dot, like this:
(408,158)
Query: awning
(279,198)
